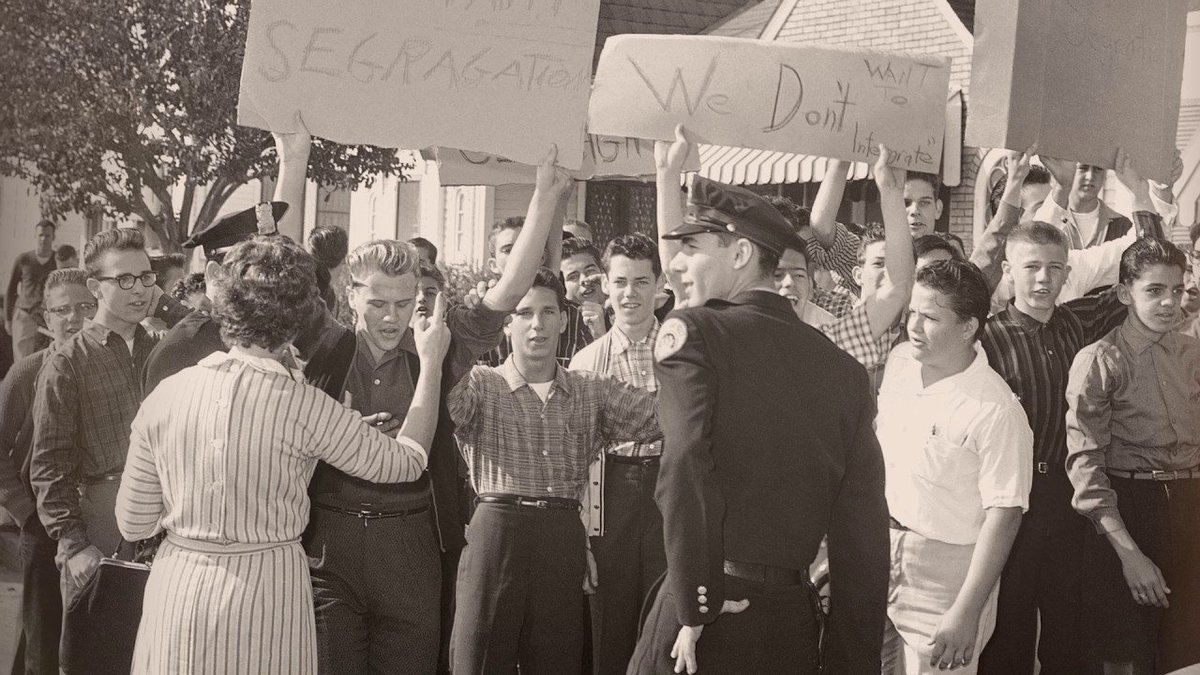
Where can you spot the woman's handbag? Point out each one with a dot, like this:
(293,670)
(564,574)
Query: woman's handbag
(101,623)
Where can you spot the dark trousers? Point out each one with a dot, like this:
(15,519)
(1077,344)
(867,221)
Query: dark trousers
(1163,520)
(41,601)
(520,594)
(630,557)
(777,633)
(1042,576)
(376,592)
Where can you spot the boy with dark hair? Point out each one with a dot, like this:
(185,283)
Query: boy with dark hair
(330,245)
(582,275)
(619,510)
(529,430)
(66,256)
(426,249)
(922,203)
(1133,437)
(191,291)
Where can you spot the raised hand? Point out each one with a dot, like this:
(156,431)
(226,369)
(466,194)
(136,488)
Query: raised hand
(886,177)
(1016,165)
(552,179)
(671,155)
(431,334)
(1128,174)
(291,145)
(1063,170)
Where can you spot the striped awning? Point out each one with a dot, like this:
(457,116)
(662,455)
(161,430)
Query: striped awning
(744,166)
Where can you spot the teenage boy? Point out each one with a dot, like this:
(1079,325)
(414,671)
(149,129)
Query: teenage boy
(619,510)
(88,391)
(1031,343)
(25,291)
(528,430)
(1133,437)
(582,275)
(68,303)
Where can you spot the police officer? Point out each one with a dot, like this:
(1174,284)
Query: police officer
(768,447)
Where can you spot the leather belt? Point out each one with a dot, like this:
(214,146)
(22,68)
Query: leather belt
(648,460)
(897,525)
(1180,474)
(551,503)
(367,514)
(764,574)
(106,478)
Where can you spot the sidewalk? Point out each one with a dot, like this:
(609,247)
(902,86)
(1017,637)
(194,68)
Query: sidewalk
(10,596)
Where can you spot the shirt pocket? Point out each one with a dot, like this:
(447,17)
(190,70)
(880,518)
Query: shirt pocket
(942,462)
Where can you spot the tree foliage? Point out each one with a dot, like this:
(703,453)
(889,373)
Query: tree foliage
(106,102)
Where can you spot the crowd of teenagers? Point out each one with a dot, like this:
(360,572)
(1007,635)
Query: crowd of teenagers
(761,442)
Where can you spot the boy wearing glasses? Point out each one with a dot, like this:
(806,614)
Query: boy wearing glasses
(67,304)
(88,391)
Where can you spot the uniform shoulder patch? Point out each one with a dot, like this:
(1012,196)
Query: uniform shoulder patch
(671,336)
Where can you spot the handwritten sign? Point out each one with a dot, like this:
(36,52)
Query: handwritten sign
(773,96)
(508,77)
(1080,78)
(604,157)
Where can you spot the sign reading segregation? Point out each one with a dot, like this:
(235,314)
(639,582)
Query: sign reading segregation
(503,77)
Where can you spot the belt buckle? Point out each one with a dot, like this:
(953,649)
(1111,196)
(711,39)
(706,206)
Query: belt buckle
(364,514)
(541,503)
(1162,476)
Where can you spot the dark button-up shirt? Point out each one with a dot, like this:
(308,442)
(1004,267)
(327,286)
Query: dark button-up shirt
(27,281)
(88,391)
(1134,401)
(387,385)
(16,435)
(516,443)
(1034,358)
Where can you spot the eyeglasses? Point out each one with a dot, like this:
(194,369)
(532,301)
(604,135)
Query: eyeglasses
(125,281)
(86,309)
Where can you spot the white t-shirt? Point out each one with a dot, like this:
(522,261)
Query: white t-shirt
(542,389)
(1087,223)
(952,449)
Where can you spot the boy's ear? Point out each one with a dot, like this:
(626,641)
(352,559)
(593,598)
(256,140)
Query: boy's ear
(1125,295)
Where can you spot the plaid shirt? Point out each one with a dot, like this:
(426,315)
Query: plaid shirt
(88,391)
(515,443)
(632,363)
(852,334)
(837,302)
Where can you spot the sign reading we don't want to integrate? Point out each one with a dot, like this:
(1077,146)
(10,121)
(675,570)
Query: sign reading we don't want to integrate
(507,77)
(774,96)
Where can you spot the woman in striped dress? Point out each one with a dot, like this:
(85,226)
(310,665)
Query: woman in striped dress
(220,457)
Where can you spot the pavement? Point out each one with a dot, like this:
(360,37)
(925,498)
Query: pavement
(10,596)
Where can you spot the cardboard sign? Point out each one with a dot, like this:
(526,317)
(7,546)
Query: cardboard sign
(773,96)
(604,157)
(1080,78)
(503,77)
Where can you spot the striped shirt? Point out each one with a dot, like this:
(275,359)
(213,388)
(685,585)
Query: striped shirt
(515,443)
(88,392)
(575,337)
(840,259)
(223,452)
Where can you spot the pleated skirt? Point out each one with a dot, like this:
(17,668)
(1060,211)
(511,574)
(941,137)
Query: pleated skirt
(248,611)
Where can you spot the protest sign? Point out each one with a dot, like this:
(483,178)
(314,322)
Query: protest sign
(508,78)
(604,157)
(1080,78)
(773,96)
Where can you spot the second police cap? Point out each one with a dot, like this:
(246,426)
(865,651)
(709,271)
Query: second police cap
(234,228)
(715,207)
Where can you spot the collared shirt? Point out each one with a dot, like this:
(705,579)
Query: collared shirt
(28,279)
(841,258)
(1134,400)
(1034,358)
(837,302)
(387,385)
(515,443)
(16,435)
(223,452)
(575,337)
(88,392)
(852,334)
(952,449)
(631,362)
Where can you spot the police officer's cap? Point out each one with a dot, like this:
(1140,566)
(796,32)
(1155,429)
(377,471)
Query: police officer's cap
(716,207)
(230,230)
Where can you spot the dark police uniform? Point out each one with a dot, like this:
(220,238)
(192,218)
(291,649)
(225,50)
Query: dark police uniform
(768,447)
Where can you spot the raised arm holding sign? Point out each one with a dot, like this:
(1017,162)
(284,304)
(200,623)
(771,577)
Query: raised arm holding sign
(771,96)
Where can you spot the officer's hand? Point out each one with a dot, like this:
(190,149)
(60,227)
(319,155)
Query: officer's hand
(82,565)
(382,421)
(684,649)
(591,578)
(954,640)
(1145,580)
(670,156)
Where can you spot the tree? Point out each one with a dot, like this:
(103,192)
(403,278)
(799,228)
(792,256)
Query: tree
(104,102)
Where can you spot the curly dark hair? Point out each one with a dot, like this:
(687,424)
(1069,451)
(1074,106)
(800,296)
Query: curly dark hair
(192,283)
(635,246)
(266,292)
